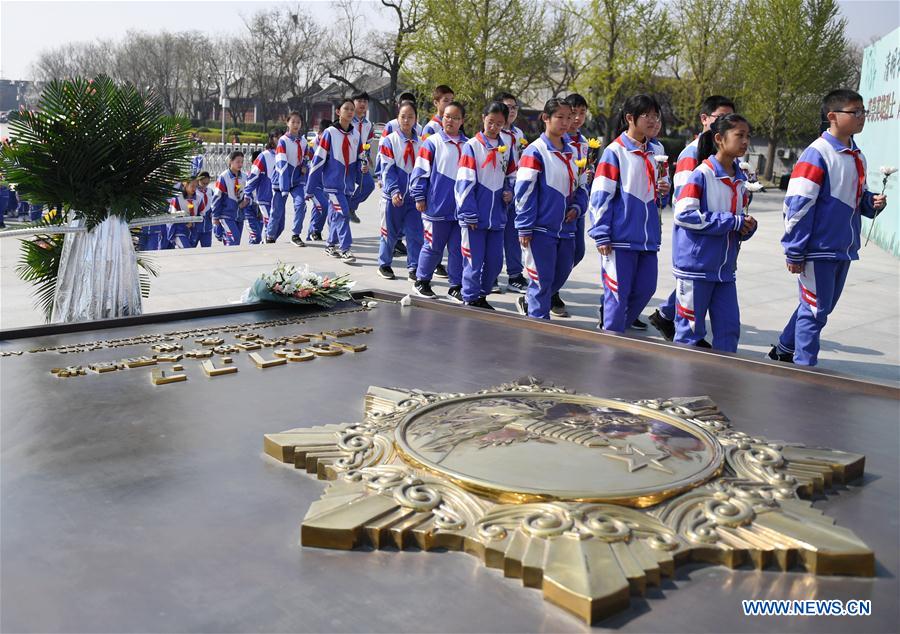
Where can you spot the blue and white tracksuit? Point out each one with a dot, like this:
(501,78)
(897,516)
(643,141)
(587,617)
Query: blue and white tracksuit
(686,163)
(433,181)
(227,195)
(365,182)
(547,187)
(334,168)
(580,148)
(259,186)
(291,156)
(484,175)
(512,250)
(825,199)
(705,243)
(389,128)
(185,236)
(205,228)
(398,159)
(624,215)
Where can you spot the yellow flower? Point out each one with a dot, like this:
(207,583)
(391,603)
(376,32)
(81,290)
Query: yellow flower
(425,137)
(502,149)
(367,146)
(594,143)
(581,163)
(523,142)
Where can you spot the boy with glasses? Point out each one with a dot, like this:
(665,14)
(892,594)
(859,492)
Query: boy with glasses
(825,197)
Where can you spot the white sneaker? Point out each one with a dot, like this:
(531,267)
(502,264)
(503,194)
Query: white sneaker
(348,257)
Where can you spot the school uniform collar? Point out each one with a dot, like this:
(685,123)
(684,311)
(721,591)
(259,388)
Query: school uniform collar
(403,137)
(577,137)
(359,119)
(436,119)
(630,145)
(837,145)
(337,126)
(720,173)
(446,137)
(566,148)
(487,142)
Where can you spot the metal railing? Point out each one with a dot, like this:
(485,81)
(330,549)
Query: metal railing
(215,156)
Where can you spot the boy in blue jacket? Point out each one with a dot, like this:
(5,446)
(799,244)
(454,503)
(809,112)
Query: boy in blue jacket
(825,198)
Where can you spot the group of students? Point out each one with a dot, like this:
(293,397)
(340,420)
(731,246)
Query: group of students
(493,198)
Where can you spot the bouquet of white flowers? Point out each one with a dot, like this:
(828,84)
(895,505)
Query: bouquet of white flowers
(288,284)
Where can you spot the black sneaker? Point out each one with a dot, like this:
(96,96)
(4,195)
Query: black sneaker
(440,271)
(315,236)
(455,294)
(423,288)
(558,306)
(703,343)
(399,248)
(666,327)
(298,241)
(411,275)
(354,217)
(331,250)
(495,287)
(386,272)
(777,355)
(481,302)
(270,241)
(638,325)
(522,305)
(347,256)
(517,284)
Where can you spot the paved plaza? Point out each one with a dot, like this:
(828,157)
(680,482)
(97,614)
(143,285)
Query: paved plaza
(861,339)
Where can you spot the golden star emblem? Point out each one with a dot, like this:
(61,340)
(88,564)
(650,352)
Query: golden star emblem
(638,459)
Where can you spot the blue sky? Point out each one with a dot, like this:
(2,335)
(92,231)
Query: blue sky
(26,28)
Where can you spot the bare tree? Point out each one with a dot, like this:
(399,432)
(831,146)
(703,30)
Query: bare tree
(78,59)
(381,52)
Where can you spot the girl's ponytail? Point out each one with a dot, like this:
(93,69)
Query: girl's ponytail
(706,144)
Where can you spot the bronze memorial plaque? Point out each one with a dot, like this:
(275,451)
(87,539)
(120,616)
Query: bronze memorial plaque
(589,499)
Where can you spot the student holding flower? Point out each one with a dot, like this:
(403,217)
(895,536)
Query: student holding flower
(825,198)
(713,107)
(710,223)
(229,200)
(550,197)
(484,187)
(624,220)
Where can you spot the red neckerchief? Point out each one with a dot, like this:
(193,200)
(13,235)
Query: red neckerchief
(860,173)
(457,145)
(567,161)
(732,185)
(345,147)
(492,151)
(409,152)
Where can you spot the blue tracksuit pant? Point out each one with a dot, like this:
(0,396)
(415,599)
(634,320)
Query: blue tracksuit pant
(364,187)
(183,237)
(548,263)
(154,238)
(319,213)
(439,235)
(667,308)
(230,230)
(820,284)
(579,240)
(276,216)
(696,298)
(338,223)
(482,251)
(511,247)
(397,221)
(629,281)
(254,223)
(298,196)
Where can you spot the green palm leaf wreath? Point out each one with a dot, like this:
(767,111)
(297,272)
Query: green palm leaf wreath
(98,149)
